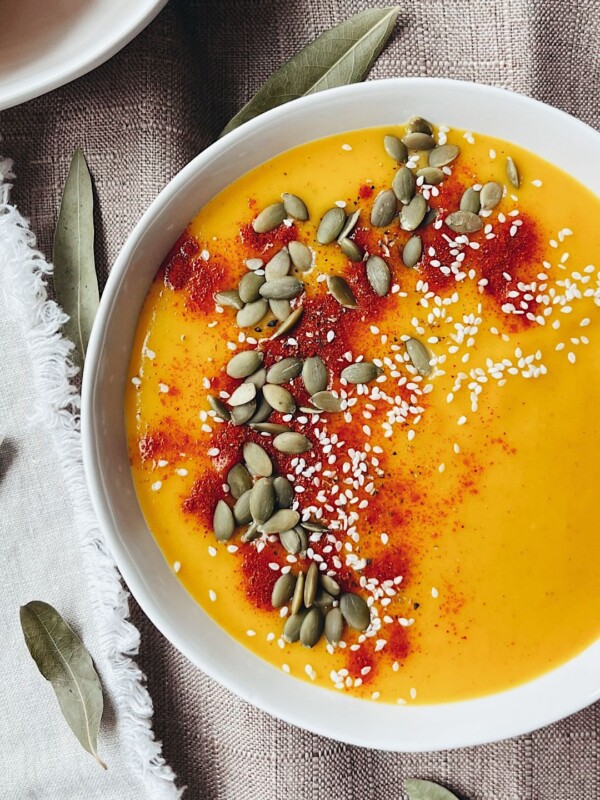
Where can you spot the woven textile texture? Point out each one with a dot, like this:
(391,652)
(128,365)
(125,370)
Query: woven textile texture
(139,119)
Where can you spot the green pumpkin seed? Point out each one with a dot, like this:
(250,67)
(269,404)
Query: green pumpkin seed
(245,393)
(279,265)
(331,225)
(249,286)
(257,460)
(350,249)
(292,443)
(241,414)
(298,598)
(285,370)
(395,148)
(361,372)
(513,173)
(270,218)
(284,492)
(349,225)
(290,541)
(314,526)
(244,364)
(272,428)
(262,412)
(314,375)
(282,288)
(303,538)
(218,407)
(282,520)
(322,599)
(355,611)
(378,275)
(384,209)
(419,355)
(412,251)
(251,314)
(432,176)
(254,263)
(251,533)
(223,522)
(463,222)
(470,201)
(239,480)
(310,410)
(241,509)
(429,217)
(443,155)
(341,291)
(281,309)
(279,398)
(293,624)
(258,378)
(311,584)
(330,585)
(294,206)
(230,298)
(412,215)
(262,500)
(291,322)
(283,590)
(301,255)
(419,141)
(419,125)
(334,626)
(404,184)
(327,401)
(490,195)
(312,628)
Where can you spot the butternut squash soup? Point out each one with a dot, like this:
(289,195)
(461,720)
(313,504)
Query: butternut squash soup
(363,413)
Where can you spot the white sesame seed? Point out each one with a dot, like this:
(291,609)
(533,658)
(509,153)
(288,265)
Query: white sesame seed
(176,566)
(347,147)
(212,595)
(250,632)
(156,486)
(212,551)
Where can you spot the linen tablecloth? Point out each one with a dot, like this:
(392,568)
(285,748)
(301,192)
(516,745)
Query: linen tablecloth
(139,119)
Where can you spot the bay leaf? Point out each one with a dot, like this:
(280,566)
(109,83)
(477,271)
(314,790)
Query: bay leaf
(417,789)
(342,55)
(63,660)
(75,280)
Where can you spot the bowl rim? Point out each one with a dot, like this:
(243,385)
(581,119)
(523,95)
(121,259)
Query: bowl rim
(543,687)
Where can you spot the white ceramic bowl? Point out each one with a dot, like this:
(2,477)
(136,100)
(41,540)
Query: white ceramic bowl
(47,43)
(493,111)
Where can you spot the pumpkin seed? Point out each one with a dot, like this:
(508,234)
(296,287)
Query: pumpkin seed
(291,629)
(412,215)
(283,590)
(312,628)
(301,255)
(248,287)
(310,410)
(314,526)
(290,541)
(223,522)
(251,314)
(282,520)
(443,155)
(244,393)
(395,148)
(251,533)
(257,460)
(241,414)
(412,251)
(419,355)
(269,218)
(355,611)
(463,222)
(378,275)
(292,443)
(431,175)
(350,249)
(294,206)
(279,398)
(349,225)
(282,288)
(404,184)
(512,172)
(254,263)
(218,407)
(322,599)
(470,201)
(298,598)
(229,298)
(330,585)
(281,309)
(419,141)
(314,375)
(384,209)
(258,378)
(327,401)
(334,626)
(490,195)
(331,225)
(285,370)
(262,500)
(311,584)
(303,538)
(429,217)
(361,372)
(241,509)
(244,364)
(287,325)
(239,480)
(262,412)
(419,125)
(272,428)
(341,291)
(279,265)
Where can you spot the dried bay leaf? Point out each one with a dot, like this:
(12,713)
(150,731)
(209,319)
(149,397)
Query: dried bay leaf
(417,789)
(64,661)
(339,56)
(75,280)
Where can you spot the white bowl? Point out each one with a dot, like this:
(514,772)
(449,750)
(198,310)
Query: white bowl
(47,43)
(404,728)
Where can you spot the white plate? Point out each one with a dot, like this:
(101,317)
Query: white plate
(47,43)
(409,728)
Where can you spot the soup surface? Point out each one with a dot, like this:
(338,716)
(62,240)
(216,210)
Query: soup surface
(457,488)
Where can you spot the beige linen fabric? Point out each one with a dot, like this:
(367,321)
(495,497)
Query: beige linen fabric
(140,118)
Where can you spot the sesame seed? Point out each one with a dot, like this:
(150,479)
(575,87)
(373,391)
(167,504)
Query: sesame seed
(182,471)
(136,381)
(156,486)
(212,551)
(176,566)
(212,595)
(347,147)
(434,592)
(286,668)
(250,632)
